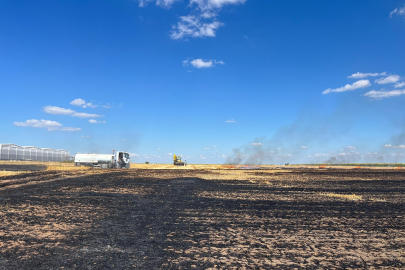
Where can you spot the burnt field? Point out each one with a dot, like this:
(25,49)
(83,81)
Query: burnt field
(203,218)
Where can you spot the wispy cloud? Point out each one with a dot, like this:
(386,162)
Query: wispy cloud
(58,110)
(49,125)
(93,121)
(86,115)
(70,129)
(62,111)
(133,155)
(389,79)
(230,121)
(384,94)
(399,84)
(398,11)
(200,63)
(214,4)
(256,144)
(202,20)
(194,26)
(304,147)
(206,148)
(401,146)
(349,87)
(360,75)
(160,3)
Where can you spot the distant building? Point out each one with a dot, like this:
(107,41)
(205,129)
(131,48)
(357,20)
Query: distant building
(16,152)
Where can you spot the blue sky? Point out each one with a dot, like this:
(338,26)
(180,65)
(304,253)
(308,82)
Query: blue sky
(213,80)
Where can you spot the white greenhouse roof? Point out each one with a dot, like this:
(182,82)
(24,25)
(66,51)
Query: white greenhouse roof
(9,145)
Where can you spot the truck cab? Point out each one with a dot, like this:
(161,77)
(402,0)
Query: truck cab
(122,159)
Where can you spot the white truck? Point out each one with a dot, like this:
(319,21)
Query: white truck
(119,159)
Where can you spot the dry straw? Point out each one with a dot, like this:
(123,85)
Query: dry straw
(66,168)
(352,197)
(11,173)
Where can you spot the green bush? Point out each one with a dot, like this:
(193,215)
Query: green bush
(147,162)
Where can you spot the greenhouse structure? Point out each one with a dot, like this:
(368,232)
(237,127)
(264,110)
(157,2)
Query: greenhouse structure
(16,152)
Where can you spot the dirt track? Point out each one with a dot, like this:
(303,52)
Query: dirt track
(185,219)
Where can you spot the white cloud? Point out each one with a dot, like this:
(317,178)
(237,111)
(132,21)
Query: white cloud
(214,146)
(78,102)
(399,84)
(349,87)
(202,22)
(49,125)
(401,146)
(161,3)
(206,148)
(214,4)
(133,155)
(384,94)
(93,121)
(70,129)
(321,154)
(86,115)
(398,11)
(82,103)
(389,79)
(208,14)
(107,106)
(194,26)
(58,110)
(360,75)
(91,105)
(256,144)
(200,63)
(351,147)
(304,147)
(63,111)
(230,121)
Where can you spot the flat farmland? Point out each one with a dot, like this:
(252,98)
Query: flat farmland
(203,217)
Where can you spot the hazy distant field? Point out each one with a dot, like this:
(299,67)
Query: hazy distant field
(202,217)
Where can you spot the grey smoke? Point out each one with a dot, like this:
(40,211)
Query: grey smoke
(315,130)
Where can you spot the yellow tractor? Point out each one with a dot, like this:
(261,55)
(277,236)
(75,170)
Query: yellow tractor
(177,161)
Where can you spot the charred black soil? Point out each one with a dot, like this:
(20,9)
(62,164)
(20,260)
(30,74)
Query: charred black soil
(195,219)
